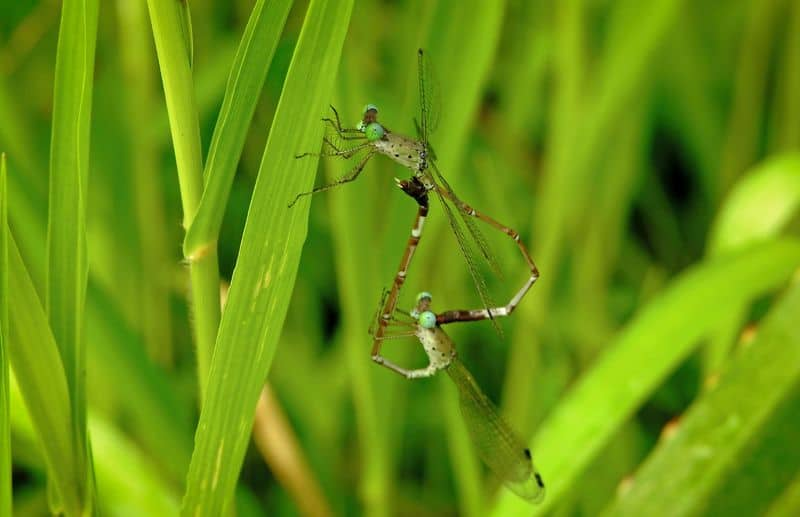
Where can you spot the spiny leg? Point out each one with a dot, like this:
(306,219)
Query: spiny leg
(347,178)
(505,310)
(337,124)
(414,189)
(343,153)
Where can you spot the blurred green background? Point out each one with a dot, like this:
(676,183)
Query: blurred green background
(647,152)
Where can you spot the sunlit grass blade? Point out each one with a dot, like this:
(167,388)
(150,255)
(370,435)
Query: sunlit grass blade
(661,336)
(37,366)
(66,229)
(267,264)
(5,417)
(245,82)
(760,205)
(708,454)
(170,29)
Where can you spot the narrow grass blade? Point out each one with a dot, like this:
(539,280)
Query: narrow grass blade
(37,366)
(661,336)
(246,79)
(170,30)
(5,416)
(66,229)
(715,437)
(267,264)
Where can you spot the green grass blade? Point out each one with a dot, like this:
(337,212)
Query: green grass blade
(661,336)
(760,205)
(684,473)
(170,30)
(66,232)
(37,366)
(241,95)
(5,416)
(267,264)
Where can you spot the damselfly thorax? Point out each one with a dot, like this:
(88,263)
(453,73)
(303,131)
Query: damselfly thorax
(408,152)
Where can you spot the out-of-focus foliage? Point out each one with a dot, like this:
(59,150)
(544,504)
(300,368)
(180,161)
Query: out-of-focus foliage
(647,152)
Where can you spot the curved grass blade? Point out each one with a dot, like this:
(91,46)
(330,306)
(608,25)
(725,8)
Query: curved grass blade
(662,335)
(497,444)
(760,205)
(703,467)
(266,267)
(40,374)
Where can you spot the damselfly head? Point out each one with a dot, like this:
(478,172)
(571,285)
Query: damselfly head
(423,303)
(370,114)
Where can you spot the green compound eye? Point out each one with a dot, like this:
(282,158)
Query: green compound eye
(374,131)
(427,320)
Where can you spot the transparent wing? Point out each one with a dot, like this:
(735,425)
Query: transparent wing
(477,236)
(429,98)
(469,257)
(497,444)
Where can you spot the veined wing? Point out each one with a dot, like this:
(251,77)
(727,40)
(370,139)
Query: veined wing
(477,236)
(497,444)
(469,257)
(429,100)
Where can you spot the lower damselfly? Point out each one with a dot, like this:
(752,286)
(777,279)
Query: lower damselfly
(495,441)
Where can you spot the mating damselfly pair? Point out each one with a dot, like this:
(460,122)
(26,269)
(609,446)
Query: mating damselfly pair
(496,443)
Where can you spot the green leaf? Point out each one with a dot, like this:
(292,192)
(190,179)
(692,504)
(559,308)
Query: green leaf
(267,264)
(39,372)
(245,82)
(758,390)
(662,335)
(66,230)
(5,416)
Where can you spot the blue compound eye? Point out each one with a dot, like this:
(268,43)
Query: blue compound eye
(423,295)
(374,131)
(427,320)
